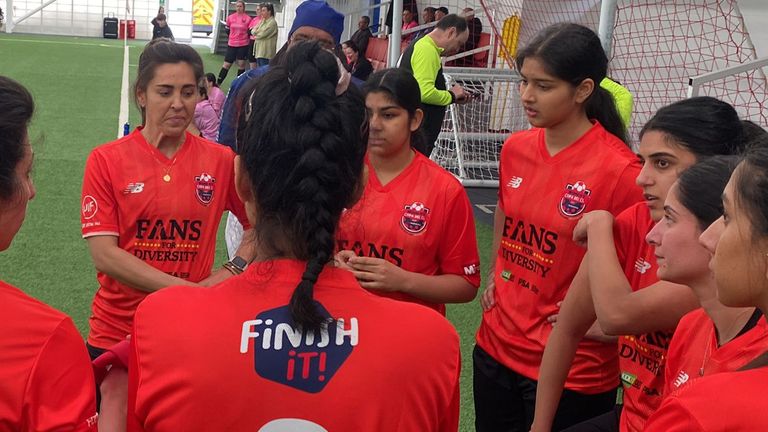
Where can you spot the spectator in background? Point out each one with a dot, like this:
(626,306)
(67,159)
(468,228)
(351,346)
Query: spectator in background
(441,12)
(362,34)
(161,28)
(160,10)
(237,45)
(215,95)
(357,64)
(427,16)
(409,22)
(206,118)
(407,5)
(475,27)
(265,45)
(252,25)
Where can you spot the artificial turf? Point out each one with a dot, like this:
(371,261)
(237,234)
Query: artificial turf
(76,85)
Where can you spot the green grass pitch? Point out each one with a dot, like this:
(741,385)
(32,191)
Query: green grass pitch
(76,86)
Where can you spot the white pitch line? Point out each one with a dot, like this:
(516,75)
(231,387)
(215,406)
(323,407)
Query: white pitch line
(122,118)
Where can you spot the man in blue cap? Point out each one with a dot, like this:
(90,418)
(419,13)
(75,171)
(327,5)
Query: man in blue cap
(315,20)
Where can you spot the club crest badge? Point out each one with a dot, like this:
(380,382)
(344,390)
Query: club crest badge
(204,187)
(575,199)
(414,219)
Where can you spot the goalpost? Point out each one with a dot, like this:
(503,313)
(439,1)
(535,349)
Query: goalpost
(656,46)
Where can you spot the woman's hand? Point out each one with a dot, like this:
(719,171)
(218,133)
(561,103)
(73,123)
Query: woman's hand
(487,298)
(592,219)
(378,274)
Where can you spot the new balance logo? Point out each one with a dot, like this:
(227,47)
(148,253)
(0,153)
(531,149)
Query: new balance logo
(642,266)
(133,188)
(515,182)
(681,379)
(471,269)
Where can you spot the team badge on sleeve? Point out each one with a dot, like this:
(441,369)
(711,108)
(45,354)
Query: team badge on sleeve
(575,199)
(204,186)
(90,207)
(304,360)
(414,218)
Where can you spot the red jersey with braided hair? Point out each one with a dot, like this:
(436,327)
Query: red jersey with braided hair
(227,358)
(542,198)
(163,211)
(46,380)
(420,221)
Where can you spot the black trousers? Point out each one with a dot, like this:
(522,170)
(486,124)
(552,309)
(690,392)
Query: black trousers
(608,422)
(505,400)
(93,353)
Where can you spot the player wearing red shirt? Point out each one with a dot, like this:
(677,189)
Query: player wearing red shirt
(152,201)
(248,367)
(294,343)
(695,350)
(610,285)
(731,401)
(421,221)
(412,235)
(46,380)
(571,162)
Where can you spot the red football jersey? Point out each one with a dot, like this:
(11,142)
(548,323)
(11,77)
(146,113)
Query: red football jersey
(641,357)
(164,211)
(46,380)
(694,351)
(542,198)
(227,358)
(420,221)
(723,402)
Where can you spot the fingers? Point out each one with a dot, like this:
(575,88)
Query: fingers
(486,299)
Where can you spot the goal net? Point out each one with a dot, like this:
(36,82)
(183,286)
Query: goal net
(656,47)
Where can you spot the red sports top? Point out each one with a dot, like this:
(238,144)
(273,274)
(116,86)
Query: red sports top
(170,225)
(641,357)
(46,380)
(420,221)
(724,402)
(542,198)
(226,358)
(693,351)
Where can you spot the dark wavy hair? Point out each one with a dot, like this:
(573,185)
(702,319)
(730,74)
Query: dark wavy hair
(16,110)
(573,53)
(752,185)
(304,154)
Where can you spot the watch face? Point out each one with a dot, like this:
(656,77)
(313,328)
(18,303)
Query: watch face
(239,262)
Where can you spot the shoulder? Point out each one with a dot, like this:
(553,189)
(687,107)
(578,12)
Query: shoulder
(210,149)
(28,315)
(523,137)
(612,145)
(438,173)
(113,147)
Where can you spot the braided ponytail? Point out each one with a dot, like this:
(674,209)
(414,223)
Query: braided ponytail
(303,149)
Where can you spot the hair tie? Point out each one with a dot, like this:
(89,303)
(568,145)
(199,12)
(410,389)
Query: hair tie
(344,77)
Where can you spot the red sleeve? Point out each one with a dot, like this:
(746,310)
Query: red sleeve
(61,393)
(235,205)
(458,246)
(98,212)
(627,192)
(451,421)
(672,416)
(134,425)
(623,227)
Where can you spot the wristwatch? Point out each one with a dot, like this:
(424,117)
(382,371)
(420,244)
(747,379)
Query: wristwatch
(236,265)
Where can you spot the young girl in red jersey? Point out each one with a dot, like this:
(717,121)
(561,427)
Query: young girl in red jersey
(572,161)
(714,338)
(294,343)
(152,200)
(620,286)
(731,401)
(46,380)
(412,234)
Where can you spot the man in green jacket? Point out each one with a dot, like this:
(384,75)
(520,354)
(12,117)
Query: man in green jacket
(422,58)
